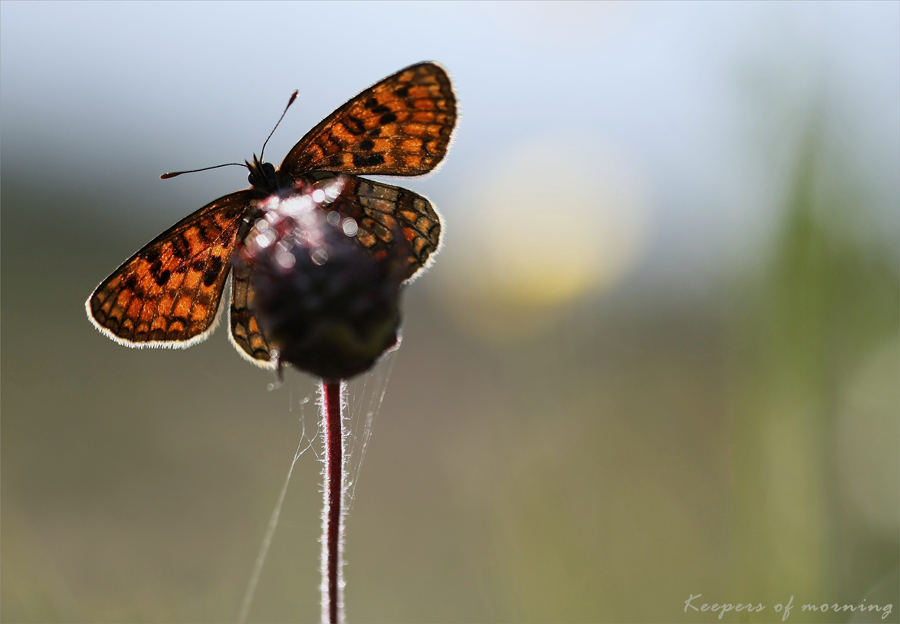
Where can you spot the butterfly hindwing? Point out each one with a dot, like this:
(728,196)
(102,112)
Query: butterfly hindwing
(400,126)
(168,293)
(383,212)
(247,333)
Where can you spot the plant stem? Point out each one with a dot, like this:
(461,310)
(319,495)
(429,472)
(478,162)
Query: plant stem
(333,508)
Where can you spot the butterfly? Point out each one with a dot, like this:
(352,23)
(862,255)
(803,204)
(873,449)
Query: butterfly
(169,293)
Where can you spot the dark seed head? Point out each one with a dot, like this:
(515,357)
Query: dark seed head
(332,309)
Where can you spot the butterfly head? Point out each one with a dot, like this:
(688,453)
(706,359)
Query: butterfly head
(262,175)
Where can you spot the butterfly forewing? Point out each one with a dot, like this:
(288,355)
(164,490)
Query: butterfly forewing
(168,293)
(400,126)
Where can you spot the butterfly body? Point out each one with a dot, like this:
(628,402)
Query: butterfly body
(168,294)
(265,178)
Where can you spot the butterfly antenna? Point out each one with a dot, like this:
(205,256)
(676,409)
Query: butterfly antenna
(290,101)
(166,176)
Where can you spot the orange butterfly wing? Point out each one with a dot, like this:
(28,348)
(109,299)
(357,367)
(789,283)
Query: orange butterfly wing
(383,212)
(168,293)
(247,333)
(400,126)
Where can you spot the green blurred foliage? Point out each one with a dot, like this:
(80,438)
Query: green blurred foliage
(820,307)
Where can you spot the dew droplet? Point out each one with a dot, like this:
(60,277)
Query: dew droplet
(333,218)
(292,206)
(285,259)
(307,218)
(265,239)
(319,257)
(350,227)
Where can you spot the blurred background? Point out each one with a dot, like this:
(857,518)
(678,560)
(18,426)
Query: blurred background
(658,355)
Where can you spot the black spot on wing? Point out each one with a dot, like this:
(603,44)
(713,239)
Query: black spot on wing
(162,277)
(180,247)
(354,125)
(212,271)
(367,160)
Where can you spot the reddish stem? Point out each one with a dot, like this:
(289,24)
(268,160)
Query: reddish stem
(333,512)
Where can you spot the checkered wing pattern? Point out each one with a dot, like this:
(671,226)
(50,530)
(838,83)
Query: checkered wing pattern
(168,293)
(400,126)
